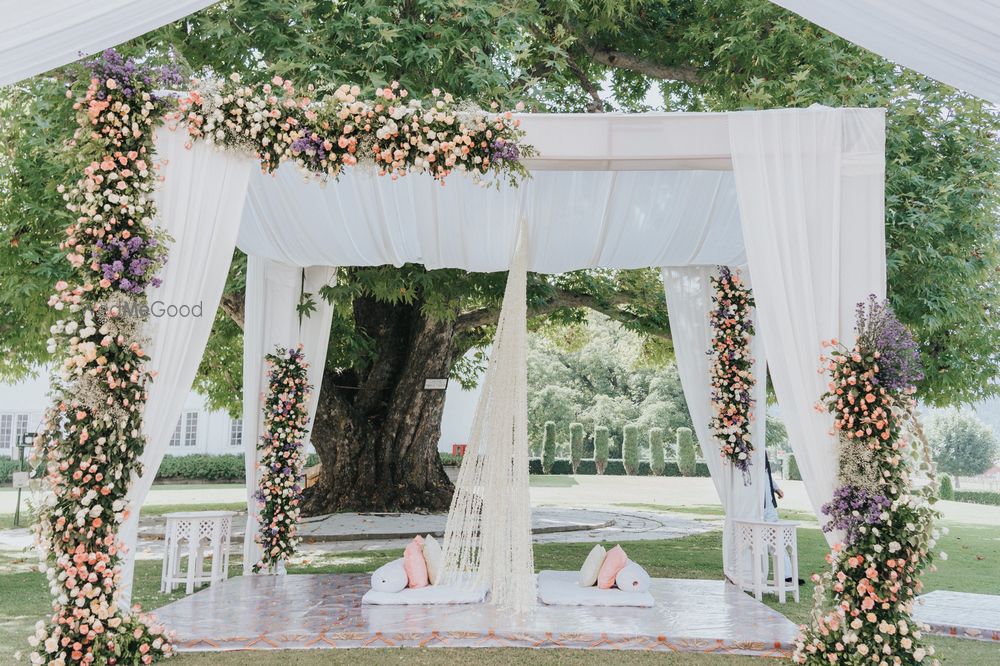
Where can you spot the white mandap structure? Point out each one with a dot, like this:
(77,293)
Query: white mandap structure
(795,197)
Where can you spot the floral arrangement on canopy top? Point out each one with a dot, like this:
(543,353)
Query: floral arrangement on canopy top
(732,368)
(395,132)
(92,437)
(286,420)
(883,508)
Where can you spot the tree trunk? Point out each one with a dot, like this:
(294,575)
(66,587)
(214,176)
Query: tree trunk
(376,431)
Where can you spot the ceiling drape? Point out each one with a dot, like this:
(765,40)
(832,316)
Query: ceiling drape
(38,36)
(955,42)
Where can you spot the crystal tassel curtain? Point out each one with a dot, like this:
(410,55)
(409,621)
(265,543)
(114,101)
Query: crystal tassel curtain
(488,534)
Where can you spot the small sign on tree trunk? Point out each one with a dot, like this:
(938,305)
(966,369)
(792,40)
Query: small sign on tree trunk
(435,384)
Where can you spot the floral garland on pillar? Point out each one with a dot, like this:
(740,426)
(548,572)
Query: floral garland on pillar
(91,438)
(732,368)
(286,422)
(862,605)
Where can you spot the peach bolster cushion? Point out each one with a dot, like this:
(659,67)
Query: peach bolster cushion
(414,563)
(614,562)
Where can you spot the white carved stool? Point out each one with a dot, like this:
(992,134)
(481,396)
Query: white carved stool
(188,533)
(755,542)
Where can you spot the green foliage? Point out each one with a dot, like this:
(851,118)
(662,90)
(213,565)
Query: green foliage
(7,468)
(549,447)
(791,471)
(227,468)
(598,373)
(630,450)
(961,443)
(601,445)
(576,444)
(656,457)
(946,490)
(685,452)
(977,497)
(449,460)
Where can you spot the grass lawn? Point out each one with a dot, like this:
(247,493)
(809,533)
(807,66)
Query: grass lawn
(972,566)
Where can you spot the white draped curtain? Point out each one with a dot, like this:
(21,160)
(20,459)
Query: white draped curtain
(201,210)
(810,189)
(271,318)
(954,42)
(689,301)
(38,36)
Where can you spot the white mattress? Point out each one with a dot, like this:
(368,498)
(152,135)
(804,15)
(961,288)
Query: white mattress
(430,595)
(559,588)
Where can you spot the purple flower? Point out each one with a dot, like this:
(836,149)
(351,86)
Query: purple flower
(504,151)
(853,507)
(879,330)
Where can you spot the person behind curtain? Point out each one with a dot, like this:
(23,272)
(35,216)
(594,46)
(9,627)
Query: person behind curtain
(772,493)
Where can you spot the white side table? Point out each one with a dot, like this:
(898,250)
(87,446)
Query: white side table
(189,532)
(755,542)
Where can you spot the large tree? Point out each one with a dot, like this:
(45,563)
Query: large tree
(376,430)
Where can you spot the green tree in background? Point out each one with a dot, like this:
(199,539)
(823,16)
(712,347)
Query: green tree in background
(657,461)
(686,457)
(962,444)
(549,447)
(601,448)
(941,197)
(946,490)
(630,449)
(598,372)
(576,444)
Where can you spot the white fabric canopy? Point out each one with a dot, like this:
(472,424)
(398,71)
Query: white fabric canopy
(201,211)
(38,36)
(954,42)
(815,239)
(797,195)
(689,300)
(576,219)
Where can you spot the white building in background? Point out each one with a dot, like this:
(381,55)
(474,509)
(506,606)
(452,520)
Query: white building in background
(198,430)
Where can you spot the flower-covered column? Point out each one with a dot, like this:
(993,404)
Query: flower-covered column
(91,438)
(286,421)
(863,603)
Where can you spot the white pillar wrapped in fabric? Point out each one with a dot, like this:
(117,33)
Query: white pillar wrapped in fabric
(689,301)
(200,205)
(810,184)
(271,319)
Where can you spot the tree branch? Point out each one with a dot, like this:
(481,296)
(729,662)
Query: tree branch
(634,63)
(597,104)
(233,305)
(562,300)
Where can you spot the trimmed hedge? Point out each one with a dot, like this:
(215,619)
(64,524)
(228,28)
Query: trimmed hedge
(978,497)
(600,449)
(575,444)
(7,468)
(630,449)
(656,457)
(792,472)
(615,467)
(225,468)
(685,451)
(549,446)
(946,490)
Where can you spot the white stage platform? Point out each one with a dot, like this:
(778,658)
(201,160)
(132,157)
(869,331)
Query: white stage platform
(325,611)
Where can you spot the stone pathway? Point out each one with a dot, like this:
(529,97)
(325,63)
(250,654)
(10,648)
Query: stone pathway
(345,532)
